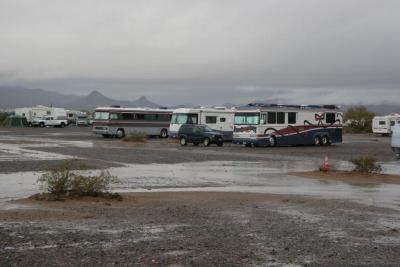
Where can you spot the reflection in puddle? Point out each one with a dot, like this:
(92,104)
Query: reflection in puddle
(256,177)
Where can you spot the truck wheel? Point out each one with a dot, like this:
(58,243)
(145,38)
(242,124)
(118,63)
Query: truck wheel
(164,133)
(272,141)
(120,133)
(62,125)
(183,141)
(41,125)
(317,140)
(325,141)
(206,141)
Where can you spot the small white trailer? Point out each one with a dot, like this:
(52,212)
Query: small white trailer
(220,119)
(396,140)
(383,124)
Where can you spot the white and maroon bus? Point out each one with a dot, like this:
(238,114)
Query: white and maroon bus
(287,125)
(118,122)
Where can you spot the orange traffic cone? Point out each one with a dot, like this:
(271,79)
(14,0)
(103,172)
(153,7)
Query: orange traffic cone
(326,166)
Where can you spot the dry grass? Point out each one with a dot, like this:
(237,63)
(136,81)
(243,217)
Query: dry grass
(135,137)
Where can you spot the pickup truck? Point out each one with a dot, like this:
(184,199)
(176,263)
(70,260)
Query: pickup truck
(49,121)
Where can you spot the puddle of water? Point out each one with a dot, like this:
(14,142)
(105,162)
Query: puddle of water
(392,167)
(254,177)
(20,149)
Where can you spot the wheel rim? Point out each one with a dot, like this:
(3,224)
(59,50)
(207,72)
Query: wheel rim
(272,141)
(120,134)
(183,141)
(324,140)
(206,142)
(163,133)
(317,140)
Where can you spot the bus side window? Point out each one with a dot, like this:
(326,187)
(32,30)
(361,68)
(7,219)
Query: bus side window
(211,119)
(263,118)
(222,119)
(292,117)
(330,117)
(271,117)
(280,117)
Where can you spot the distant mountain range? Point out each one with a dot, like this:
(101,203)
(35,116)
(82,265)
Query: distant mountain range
(22,97)
(11,97)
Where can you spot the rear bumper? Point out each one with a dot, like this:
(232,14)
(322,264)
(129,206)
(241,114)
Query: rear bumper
(251,141)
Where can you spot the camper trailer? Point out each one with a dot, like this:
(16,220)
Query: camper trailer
(220,119)
(396,140)
(286,125)
(32,113)
(383,124)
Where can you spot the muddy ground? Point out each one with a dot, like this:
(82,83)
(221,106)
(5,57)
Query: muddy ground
(306,222)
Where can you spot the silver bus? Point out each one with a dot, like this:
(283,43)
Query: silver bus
(118,122)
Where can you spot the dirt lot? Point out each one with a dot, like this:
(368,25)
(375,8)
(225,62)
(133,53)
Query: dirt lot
(166,221)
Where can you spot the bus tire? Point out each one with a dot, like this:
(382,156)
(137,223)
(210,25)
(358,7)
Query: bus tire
(206,141)
(120,133)
(325,141)
(164,133)
(272,141)
(62,125)
(183,141)
(317,140)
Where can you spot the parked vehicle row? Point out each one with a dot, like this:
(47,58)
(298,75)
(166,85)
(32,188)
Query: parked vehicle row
(252,125)
(41,116)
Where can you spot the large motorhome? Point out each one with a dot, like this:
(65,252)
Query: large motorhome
(285,125)
(383,124)
(220,119)
(32,113)
(118,122)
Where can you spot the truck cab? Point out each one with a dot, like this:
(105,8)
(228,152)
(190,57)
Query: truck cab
(50,121)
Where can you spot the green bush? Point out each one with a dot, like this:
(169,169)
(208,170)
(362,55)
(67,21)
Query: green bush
(3,118)
(366,164)
(359,120)
(63,180)
(135,137)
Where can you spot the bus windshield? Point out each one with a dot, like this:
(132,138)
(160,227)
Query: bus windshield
(101,115)
(247,118)
(184,119)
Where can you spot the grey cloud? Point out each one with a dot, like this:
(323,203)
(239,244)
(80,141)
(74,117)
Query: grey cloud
(205,51)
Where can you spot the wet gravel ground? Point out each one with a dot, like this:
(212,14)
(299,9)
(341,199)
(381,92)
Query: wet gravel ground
(200,229)
(189,228)
(111,152)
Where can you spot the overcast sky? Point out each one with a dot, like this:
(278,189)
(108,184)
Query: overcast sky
(205,52)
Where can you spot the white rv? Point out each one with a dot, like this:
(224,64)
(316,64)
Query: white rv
(383,124)
(32,113)
(287,125)
(220,119)
(396,141)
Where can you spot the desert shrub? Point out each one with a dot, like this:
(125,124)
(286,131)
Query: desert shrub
(63,180)
(3,118)
(366,164)
(91,185)
(135,137)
